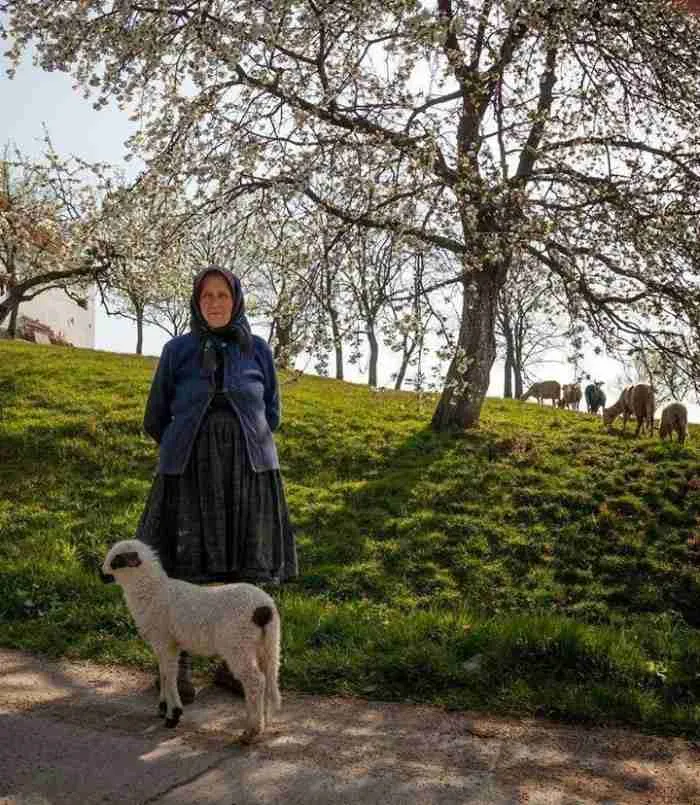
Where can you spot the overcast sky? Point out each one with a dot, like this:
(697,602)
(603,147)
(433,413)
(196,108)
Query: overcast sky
(34,98)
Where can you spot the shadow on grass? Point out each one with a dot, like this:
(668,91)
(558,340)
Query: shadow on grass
(492,521)
(8,395)
(390,531)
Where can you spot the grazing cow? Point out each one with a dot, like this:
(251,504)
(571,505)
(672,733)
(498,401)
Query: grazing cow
(570,396)
(546,390)
(674,419)
(635,401)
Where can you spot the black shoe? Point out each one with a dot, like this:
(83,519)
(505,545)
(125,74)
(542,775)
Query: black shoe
(225,679)
(184,678)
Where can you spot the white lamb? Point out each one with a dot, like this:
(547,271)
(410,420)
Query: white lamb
(239,622)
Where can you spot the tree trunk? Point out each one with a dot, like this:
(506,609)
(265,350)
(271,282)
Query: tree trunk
(12,325)
(510,357)
(139,331)
(9,305)
(373,354)
(405,359)
(338,349)
(337,344)
(508,378)
(517,370)
(468,376)
(282,350)
(402,371)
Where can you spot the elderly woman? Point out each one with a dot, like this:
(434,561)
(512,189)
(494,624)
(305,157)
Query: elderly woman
(216,511)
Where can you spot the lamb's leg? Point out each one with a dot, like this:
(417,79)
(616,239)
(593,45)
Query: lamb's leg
(253,680)
(168,662)
(270,665)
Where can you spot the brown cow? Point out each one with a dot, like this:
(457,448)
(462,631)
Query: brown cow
(635,401)
(674,419)
(546,390)
(570,396)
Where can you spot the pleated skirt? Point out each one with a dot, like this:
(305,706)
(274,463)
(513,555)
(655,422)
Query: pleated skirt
(220,521)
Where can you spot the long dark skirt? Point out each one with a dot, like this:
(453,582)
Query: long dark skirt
(220,520)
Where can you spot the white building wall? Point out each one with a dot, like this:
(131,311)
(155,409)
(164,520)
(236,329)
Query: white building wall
(57,310)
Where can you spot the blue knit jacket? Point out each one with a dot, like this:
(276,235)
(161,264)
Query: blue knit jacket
(182,390)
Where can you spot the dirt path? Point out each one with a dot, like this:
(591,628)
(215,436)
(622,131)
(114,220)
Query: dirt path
(82,733)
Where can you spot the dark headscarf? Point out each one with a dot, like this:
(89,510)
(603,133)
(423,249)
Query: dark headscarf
(214,339)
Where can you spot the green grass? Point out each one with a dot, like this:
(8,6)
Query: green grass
(565,560)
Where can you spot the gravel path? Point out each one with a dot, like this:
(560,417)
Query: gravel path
(83,733)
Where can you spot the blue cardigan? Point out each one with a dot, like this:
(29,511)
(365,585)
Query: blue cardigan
(182,390)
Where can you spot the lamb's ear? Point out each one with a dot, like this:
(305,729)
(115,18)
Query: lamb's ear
(130,559)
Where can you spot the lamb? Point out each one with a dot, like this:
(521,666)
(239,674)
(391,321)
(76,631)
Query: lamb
(570,395)
(595,397)
(617,408)
(546,390)
(637,400)
(239,622)
(674,418)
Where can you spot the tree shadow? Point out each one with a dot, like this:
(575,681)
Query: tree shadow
(8,395)
(352,527)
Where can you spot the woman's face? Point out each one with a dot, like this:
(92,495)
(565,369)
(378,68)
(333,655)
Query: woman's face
(216,301)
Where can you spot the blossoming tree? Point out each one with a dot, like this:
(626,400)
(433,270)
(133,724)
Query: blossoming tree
(146,227)
(49,213)
(563,130)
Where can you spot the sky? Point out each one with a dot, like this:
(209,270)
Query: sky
(35,98)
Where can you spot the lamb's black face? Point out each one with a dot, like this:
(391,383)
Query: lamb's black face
(121,560)
(121,557)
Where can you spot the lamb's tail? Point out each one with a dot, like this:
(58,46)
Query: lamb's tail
(268,619)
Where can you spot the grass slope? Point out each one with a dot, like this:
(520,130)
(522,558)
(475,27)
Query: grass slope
(534,566)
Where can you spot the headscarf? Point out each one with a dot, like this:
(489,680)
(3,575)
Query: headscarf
(214,339)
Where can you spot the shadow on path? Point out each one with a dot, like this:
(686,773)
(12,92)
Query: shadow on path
(77,732)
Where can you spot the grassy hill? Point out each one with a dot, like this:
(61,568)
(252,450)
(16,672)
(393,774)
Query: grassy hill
(535,566)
